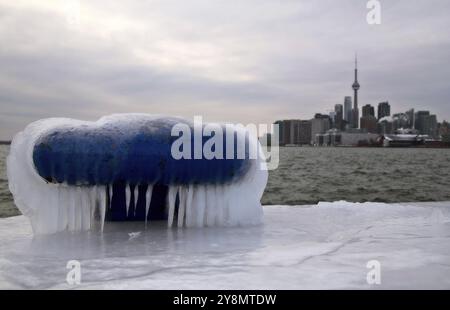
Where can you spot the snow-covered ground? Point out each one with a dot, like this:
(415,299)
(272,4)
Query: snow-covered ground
(325,247)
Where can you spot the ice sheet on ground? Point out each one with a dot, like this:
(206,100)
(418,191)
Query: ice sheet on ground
(306,247)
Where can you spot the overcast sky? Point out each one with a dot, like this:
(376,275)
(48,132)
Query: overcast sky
(238,61)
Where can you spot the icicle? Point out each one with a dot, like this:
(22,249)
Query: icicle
(103,206)
(62,208)
(148,199)
(127,196)
(136,192)
(210,210)
(189,211)
(72,205)
(110,195)
(182,205)
(219,205)
(79,208)
(227,190)
(93,204)
(53,201)
(199,206)
(171,197)
(85,215)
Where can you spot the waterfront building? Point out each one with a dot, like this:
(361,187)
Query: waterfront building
(285,133)
(369,123)
(294,132)
(430,126)
(280,132)
(385,125)
(368,110)
(410,115)
(384,109)
(348,109)
(426,123)
(336,137)
(319,126)
(444,132)
(304,132)
(420,119)
(400,121)
(339,116)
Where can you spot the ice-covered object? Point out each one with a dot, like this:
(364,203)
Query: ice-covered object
(74,175)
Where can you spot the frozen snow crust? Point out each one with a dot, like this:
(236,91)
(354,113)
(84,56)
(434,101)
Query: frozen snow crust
(74,175)
(325,246)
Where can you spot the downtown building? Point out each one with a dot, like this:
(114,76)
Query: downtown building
(384,109)
(352,137)
(368,121)
(294,132)
(339,116)
(348,109)
(426,123)
(319,125)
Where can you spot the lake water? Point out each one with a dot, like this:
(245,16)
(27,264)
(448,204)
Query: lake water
(308,175)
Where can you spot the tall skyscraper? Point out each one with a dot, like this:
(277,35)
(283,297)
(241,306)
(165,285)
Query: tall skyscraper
(421,118)
(348,109)
(368,120)
(304,132)
(355,86)
(319,125)
(426,123)
(280,132)
(368,110)
(431,126)
(294,132)
(339,116)
(410,115)
(332,116)
(384,109)
(369,123)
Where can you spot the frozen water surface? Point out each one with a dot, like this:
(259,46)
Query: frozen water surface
(326,246)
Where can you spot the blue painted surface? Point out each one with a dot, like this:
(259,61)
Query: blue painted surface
(131,153)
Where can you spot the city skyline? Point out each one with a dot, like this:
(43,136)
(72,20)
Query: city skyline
(251,62)
(345,125)
(347,116)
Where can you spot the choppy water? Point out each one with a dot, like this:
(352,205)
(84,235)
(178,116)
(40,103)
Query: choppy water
(308,175)
(7,207)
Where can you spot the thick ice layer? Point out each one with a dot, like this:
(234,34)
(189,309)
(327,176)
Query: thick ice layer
(192,198)
(326,246)
(137,151)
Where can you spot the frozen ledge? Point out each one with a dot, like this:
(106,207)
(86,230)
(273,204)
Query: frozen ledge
(307,247)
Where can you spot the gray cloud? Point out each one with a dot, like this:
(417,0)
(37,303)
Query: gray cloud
(240,61)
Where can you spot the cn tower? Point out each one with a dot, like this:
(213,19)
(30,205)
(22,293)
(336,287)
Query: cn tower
(355,86)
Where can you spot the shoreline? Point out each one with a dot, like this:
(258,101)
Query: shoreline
(336,202)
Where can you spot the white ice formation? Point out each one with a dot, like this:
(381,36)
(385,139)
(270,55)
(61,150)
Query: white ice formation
(59,207)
